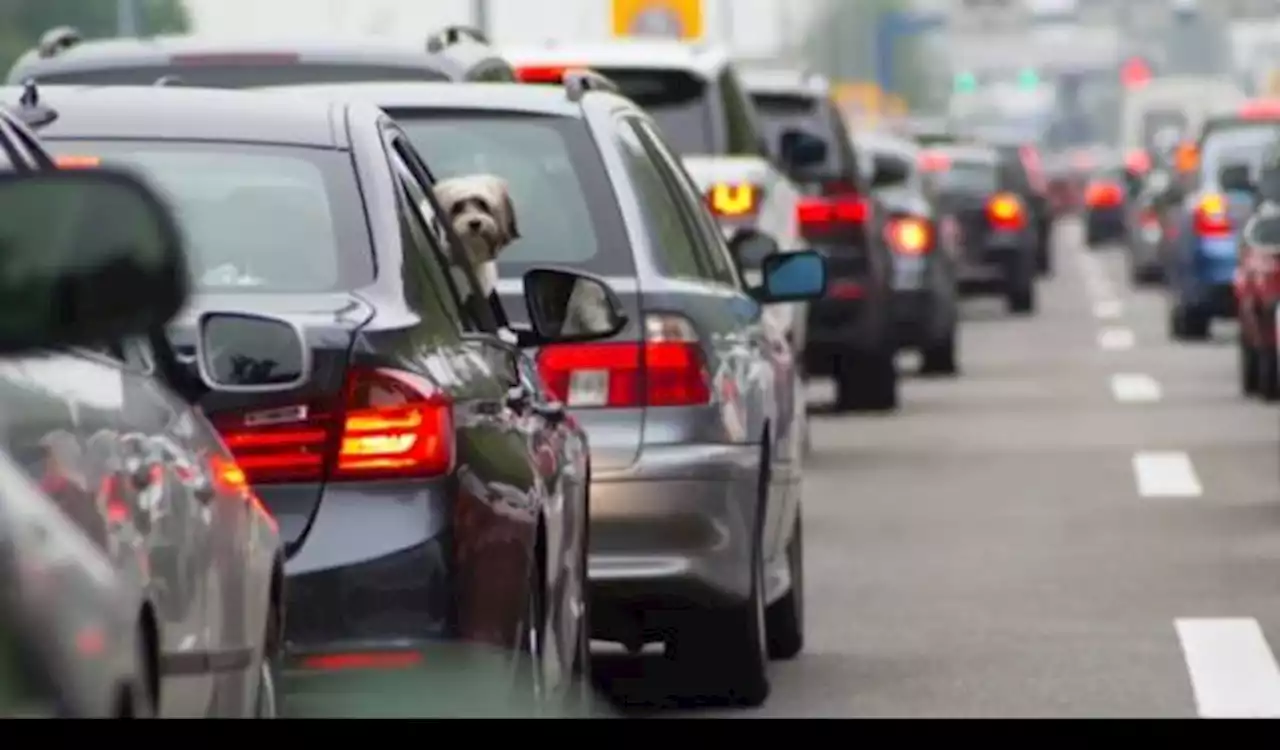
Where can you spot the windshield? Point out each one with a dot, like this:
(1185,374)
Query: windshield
(678,101)
(238,75)
(256,218)
(1244,143)
(966,177)
(562,198)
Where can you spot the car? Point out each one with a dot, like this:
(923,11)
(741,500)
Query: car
(395,445)
(1106,204)
(925,311)
(693,409)
(1202,228)
(851,333)
(696,94)
(1257,283)
(1144,232)
(138,562)
(997,238)
(1025,173)
(63,56)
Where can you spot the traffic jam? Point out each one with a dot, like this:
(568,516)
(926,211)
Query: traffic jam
(354,379)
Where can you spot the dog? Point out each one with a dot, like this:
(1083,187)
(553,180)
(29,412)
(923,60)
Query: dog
(480,209)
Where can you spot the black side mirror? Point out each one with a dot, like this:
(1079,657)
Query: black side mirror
(888,173)
(250,353)
(568,306)
(86,256)
(801,149)
(1236,178)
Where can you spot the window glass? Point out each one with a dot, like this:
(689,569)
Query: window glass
(667,231)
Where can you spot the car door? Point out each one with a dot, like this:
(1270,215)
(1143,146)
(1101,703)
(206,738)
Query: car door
(500,496)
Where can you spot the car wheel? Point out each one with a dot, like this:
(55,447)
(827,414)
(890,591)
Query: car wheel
(532,697)
(135,699)
(784,620)
(867,382)
(1249,368)
(582,690)
(1194,323)
(730,647)
(267,700)
(1021,299)
(939,358)
(1268,374)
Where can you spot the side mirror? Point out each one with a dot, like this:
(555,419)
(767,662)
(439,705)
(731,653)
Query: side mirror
(1236,178)
(801,149)
(889,172)
(250,353)
(86,256)
(567,306)
(792,277)
(749,247)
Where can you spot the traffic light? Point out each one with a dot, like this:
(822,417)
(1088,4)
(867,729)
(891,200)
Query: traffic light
(1028,78)
(1135,72)
(966,83)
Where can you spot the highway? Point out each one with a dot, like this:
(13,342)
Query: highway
(1085,524)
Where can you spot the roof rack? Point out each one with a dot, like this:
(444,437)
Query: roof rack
(57,40)
(578,81)
(451,35)
(30,110)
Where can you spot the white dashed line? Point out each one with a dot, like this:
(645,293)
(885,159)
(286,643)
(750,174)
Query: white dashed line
(1233,672)
(1166,474)
(1135,388)
(1108,310)
(1116,339)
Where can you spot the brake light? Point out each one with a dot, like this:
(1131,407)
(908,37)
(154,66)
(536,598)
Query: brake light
(1004,211)
(1211,218)
(733,200)
(1103,194)
(667,369)
(933,161)
(1260,109)
(392,424)
(817,212)
(1138,162)
(542,73)
(77,162)
(1035,168)
(910,236)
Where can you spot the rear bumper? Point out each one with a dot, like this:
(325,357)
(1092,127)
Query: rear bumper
(673,531)
(920,317)
(1000,260)
(1104,224)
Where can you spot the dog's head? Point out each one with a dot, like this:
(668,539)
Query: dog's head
(480,209)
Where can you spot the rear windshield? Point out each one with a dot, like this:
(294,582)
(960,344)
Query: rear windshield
(1241,142)
(678,101)
(785,105)
(256,218)
(565,207)
(244,75)
(966,177)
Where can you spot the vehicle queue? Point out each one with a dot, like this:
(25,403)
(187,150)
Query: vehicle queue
(415,350)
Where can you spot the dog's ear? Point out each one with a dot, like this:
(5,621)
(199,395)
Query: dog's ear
(509,208)
(447,193)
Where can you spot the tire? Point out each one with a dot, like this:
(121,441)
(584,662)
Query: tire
(939,358)
(1021,297)
(729,648)
(533,700)
(582,694)
(1188,324)
(1249,368)
(135,700)
(1268,374)
(867,382)
(784,619)
(266,702)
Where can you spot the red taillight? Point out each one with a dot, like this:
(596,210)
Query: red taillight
(667,369)
(824,213)
(370,660)
(910,236)
(1260,109)
(1103,194)
(1005,213)
(542,73)
(1211,218)
(393,424)
(933,161)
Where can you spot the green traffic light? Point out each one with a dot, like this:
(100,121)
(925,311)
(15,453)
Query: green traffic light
(966,82)
(1028,79)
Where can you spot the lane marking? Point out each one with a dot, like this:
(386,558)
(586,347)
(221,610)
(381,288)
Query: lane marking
(1108,310)
(1135,388)
(1233,672)
(1116,339)
(1166,474)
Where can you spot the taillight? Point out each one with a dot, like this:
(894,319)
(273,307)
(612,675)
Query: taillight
(393,424)
(542,73)
(1103,194)
(733,200)
(822,213)
(1005,213)
(1211,218)
(667,369)
(910,236)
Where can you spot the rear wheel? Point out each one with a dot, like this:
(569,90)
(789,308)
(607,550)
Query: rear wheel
(267,701)
(1188,323)
(1268,374)
(939,358)
(135,699)
(1021,297)
(867,382)
(1248,368)
(784,619)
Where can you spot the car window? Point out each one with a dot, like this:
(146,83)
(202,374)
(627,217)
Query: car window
(966,177)
(257,218)
(742,130)
(679,101)
(708,239)
(668,234)
(232,75)
(425,280)
(1242,143)
(565,209)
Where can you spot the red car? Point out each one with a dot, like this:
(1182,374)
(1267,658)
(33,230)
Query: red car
(1257,291)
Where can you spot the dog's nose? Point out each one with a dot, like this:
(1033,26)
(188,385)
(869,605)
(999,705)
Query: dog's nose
(475,225)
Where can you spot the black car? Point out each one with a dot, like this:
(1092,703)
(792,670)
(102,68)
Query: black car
(164,592)
(64,57)
(1020,163)
(851,331)
(996,231)
(1108,196)
(398,449)
(925,311)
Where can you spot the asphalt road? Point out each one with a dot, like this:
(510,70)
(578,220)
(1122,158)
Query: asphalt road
(1086,523)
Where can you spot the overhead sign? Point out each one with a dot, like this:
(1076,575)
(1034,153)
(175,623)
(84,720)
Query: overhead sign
(670,19)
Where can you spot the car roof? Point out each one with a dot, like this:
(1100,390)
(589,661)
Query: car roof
(184,114)
(778,80)
(706,60)
(98,53)
(887,143)
(966,152)
(504,97)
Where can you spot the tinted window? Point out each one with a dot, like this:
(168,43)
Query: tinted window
(967,177)
(667,232)
(425,281)
(1238,143)
(238,76)
(565,208)
(1265,231)
(256,218)
(784,105)
(744,137)
(799,112)
(677,100)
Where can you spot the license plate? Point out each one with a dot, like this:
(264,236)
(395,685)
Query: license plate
(907,270)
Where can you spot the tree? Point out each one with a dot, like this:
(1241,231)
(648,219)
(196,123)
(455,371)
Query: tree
(23,21)
(841,42)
